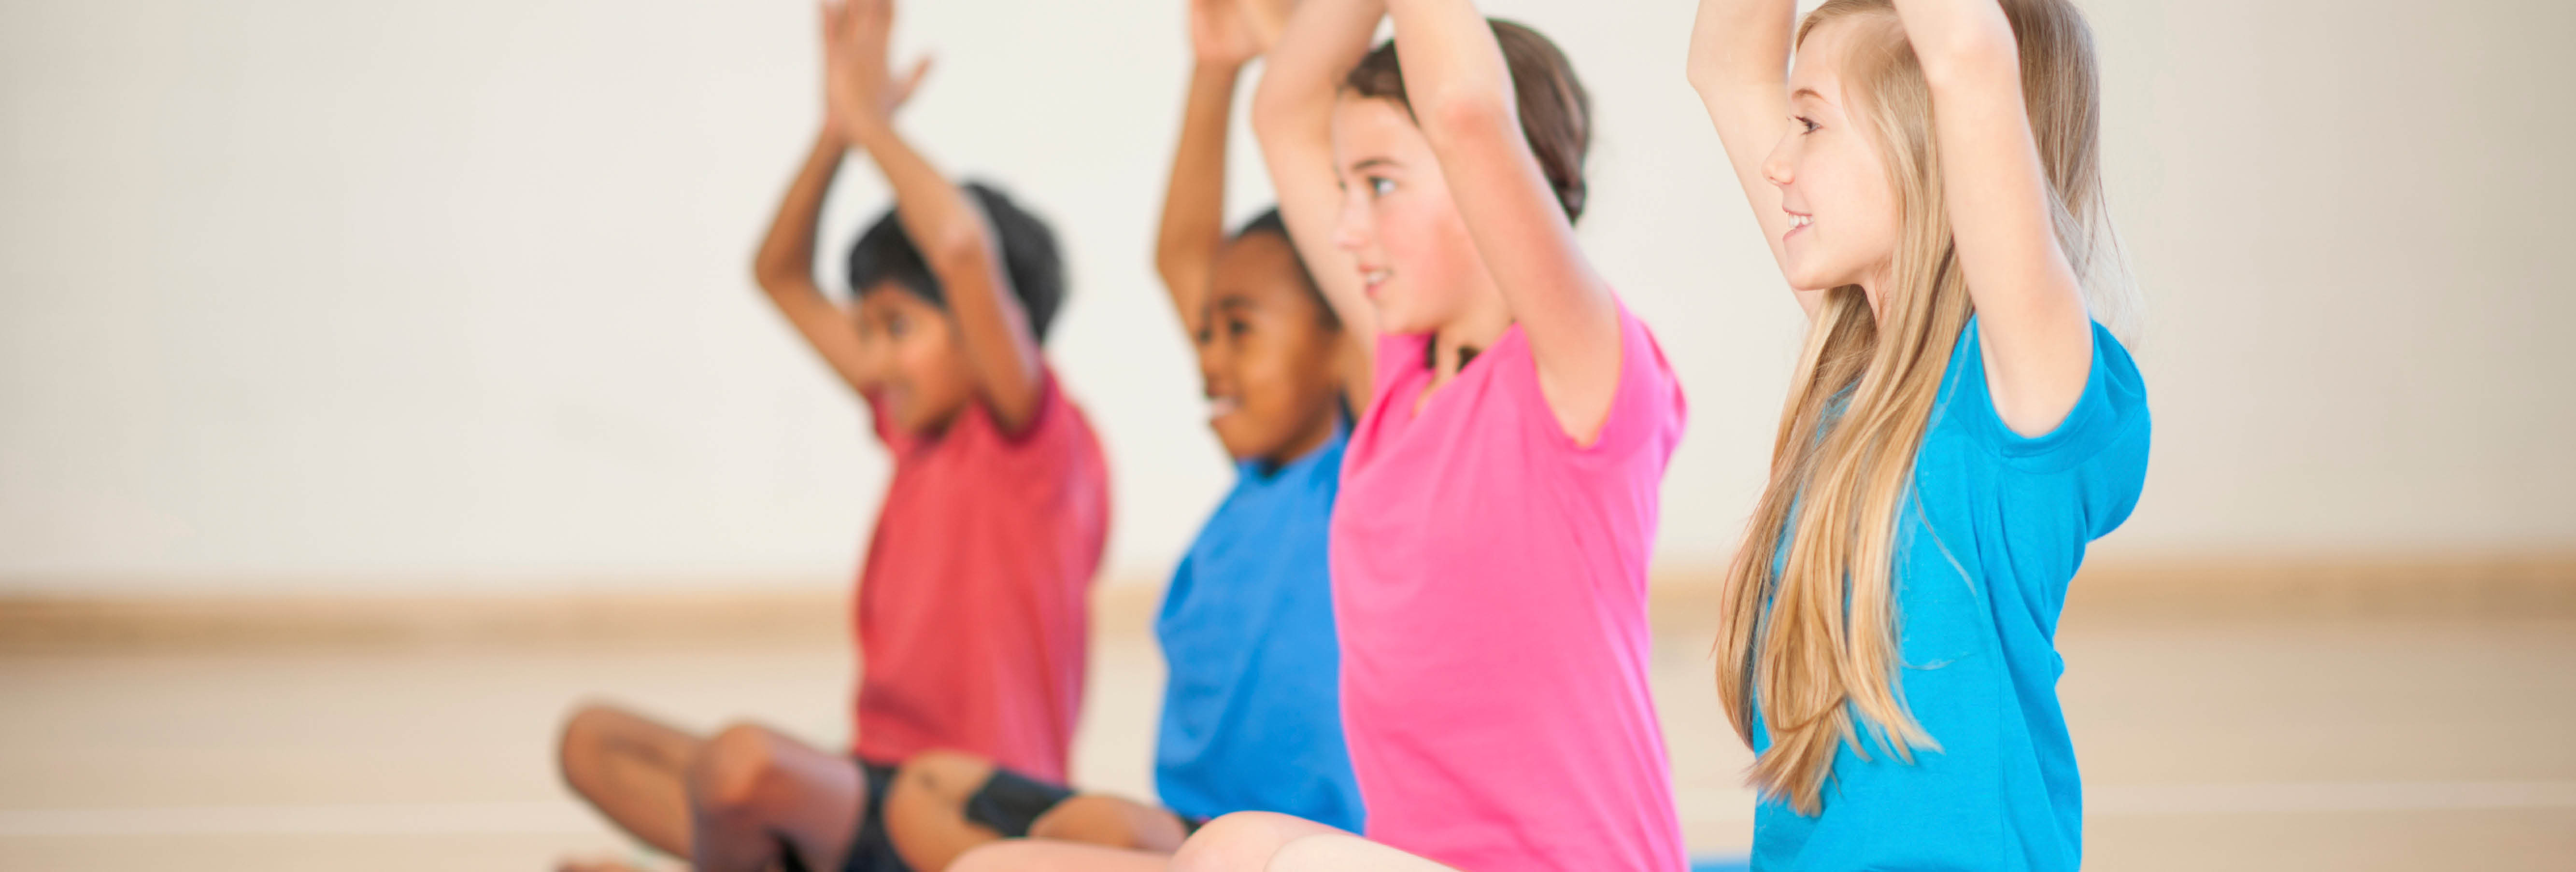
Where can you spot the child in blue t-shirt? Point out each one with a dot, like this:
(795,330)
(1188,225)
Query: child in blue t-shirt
(1960,428)
(1251,715)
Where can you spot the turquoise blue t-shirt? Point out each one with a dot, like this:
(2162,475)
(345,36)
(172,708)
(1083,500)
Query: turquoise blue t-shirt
(1252,716)
(1977,637)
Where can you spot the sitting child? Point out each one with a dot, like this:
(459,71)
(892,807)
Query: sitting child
(1251,716)
(972,613)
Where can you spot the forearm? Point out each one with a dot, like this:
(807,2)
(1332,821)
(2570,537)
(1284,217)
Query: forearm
(1194,201)
(1961,44)
(1292,114)
(959,245)
(1741,44)
(1454,73)
(786,256)
(1324,39)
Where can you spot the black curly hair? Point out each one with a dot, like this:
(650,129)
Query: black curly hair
(1029,254)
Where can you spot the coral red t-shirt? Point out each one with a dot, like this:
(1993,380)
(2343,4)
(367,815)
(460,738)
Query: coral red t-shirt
(973,606)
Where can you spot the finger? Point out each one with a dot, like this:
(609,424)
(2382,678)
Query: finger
(912,81)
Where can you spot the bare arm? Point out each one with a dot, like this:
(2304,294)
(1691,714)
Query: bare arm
(1739,64)
(1462,95)
(784,266)
(2037,335)
(1292,114)
(956,239)
(1222,40)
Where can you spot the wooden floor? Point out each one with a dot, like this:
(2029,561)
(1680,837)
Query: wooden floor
(2208,742)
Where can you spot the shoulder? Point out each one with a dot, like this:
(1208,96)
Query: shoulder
(1647,410)
(2109,416)
(1059,431)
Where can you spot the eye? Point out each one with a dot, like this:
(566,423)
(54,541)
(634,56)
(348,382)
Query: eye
(1805,124)
(1380,186)
(895,325)
(1237,327)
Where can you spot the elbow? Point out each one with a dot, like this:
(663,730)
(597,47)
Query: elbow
(1467,113)
(1272,106)
(964,245)
(1971,58)
(771,275)
(1704,68)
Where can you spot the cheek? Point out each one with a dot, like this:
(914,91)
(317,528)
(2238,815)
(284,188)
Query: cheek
(1428,246)
(1862,198)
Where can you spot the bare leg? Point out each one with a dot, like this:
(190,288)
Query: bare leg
(1033,855)
(752,788)
(925,810)
(925,814)
(1111,822)
(1244,842)
(633,770)
(1343,852)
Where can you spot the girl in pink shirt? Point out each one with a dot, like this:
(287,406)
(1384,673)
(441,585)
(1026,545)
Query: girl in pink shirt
(1500,491)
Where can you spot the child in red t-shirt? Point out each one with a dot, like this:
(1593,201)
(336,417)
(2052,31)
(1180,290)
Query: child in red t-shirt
(972,615)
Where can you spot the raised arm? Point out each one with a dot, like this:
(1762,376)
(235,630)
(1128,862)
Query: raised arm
(1739,64)
(2037,335)
(784,266)
(1292,114)
(956,239)
(1222,40)
(1463,97)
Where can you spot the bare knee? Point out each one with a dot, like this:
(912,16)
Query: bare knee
(732,770)
(1242,842)
(578,748)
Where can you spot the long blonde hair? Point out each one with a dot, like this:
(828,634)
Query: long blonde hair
(1816,641)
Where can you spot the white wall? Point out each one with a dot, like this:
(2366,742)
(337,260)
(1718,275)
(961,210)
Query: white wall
(303,293)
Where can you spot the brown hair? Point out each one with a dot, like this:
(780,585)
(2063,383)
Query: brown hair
(1555,111)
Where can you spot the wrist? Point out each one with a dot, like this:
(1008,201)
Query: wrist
(865,131)
(1218,68)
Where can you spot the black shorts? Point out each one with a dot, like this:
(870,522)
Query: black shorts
(870,850)
(1008,803)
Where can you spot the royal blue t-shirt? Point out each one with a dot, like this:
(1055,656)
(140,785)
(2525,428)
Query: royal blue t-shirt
(1997,528)
(1252,716)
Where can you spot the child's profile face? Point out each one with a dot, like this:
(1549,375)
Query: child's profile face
(1832,180)
(913,362)
(1417,264)
(1268,353)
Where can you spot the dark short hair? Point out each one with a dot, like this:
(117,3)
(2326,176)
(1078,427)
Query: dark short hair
(1270,222)
(1555,111)
(1029,255)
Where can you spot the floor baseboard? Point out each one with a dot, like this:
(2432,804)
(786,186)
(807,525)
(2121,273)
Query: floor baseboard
(818,615)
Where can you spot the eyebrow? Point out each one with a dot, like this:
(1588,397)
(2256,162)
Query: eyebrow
(1806,92)
(1233,302)
(1372,163)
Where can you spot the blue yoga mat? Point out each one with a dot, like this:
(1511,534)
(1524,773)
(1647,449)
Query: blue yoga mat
(1719,864)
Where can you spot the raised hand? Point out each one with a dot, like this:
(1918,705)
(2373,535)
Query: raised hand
(859,89)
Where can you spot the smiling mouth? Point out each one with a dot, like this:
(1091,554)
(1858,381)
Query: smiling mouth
(1372,279)
(1798,222)
(1219,407)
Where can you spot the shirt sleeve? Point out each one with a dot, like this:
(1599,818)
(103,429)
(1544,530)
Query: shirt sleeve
(1648,410)
(2099,450)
